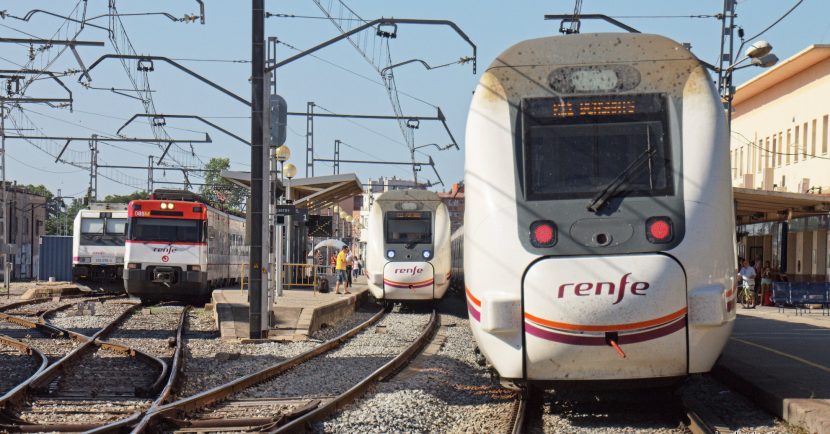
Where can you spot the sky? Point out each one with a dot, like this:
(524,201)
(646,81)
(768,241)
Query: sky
(337,79)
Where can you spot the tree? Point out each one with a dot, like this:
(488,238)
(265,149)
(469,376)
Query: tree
(126,198)
(219,190)
(40,190)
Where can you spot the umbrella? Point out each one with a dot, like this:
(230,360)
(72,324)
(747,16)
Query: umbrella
(331,242)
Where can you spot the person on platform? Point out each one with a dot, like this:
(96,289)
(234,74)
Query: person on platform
(766,284)
(340,270)
(318,260)
(349,267)
(748,274)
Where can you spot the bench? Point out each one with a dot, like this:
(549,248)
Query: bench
(800,295)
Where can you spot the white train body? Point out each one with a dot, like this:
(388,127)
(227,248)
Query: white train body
(640,288)
(408,246)
(182,249)
(98,235)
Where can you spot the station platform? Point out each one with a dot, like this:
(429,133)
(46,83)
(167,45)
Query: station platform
(782,362)
(297,313)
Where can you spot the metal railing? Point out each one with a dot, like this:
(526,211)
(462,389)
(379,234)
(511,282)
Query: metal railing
(302,275)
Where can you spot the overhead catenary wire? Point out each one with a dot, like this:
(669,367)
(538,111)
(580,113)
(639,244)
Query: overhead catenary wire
(752,143)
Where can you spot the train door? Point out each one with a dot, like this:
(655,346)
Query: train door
(605,318)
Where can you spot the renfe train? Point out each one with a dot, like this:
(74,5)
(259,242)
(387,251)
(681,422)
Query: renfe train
(598,239)
(179,248)
(408,246)
(98,235)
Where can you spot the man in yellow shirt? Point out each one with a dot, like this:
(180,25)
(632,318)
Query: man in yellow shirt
(340,269)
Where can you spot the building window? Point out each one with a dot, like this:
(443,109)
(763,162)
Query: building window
(813,139)
(781,146)
(795,144)
(775,151)
(789,146)
(741,161)
(804,141)
(766,153)
(824,136)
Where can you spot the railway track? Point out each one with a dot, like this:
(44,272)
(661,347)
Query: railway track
(536,411)
(273,400)
(98,381)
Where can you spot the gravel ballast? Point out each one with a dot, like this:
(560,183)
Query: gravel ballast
(210,361)
(443,392)
(87,318)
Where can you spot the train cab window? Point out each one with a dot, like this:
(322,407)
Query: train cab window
(408,227)
(168,230)
(92,225)
(117,226)
(575,147)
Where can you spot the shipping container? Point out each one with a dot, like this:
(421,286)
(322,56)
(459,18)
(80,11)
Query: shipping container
(55,258)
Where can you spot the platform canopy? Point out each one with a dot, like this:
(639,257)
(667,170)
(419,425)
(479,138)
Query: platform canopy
(756,206)
(324,191)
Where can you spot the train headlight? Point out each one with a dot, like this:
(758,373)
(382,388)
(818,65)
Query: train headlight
(427,254)
(84,259)
(163,205)
(390,253)
(133,266)
(194,268)
(543,233)
(659,230)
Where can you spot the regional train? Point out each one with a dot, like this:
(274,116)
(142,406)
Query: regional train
(180,248)
(598,229)
(407,254)
(98,235)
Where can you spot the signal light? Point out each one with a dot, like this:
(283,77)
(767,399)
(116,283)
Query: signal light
(659,230)
(543,233)
(163,205)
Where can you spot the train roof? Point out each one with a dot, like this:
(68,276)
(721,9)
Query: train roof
(101,206)
(408,194)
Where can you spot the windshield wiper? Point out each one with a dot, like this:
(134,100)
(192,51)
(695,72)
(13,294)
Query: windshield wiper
(612,187)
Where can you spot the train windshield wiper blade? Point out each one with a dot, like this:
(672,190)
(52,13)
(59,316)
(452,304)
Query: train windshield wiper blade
(612,187)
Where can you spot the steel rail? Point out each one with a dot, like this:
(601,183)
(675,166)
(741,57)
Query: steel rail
(29,351)
(519,414)
(303,423)
(138,420)
(222,392)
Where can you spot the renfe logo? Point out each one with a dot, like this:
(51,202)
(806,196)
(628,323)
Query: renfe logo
(413,271)
(168,249)
(583,289)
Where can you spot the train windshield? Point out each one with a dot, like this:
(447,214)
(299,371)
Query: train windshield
(575,147)
(117,226)
(169,230)
(408,227)
(92,225)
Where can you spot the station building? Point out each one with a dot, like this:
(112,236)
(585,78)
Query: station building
(26,211)
(781,165)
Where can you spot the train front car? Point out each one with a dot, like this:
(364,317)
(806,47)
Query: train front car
(598,238)
(166,255)
(408,251)
(98,242)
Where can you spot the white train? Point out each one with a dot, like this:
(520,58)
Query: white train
(179,248)
(599,227)
(408,247)
(98,235)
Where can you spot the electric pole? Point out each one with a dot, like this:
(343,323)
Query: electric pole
(255,265)
(727,39)
(5,245)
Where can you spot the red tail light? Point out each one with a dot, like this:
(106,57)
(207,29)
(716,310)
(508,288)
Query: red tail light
(659,230)
(542,233)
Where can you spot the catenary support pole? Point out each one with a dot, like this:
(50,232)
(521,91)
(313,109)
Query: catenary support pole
(255,264)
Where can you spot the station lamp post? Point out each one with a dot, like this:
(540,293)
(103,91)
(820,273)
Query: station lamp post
(289,171)
(281,154)
(760,54)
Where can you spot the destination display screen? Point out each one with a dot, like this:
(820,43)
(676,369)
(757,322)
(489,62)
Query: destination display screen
(592,106)
(407,227)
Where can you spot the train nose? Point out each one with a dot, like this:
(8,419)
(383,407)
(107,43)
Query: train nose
(409,281)
(605,318)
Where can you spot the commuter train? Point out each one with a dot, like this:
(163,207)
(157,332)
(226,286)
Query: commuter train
(599,226)
(98,235)
(408,246)
(180,248)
